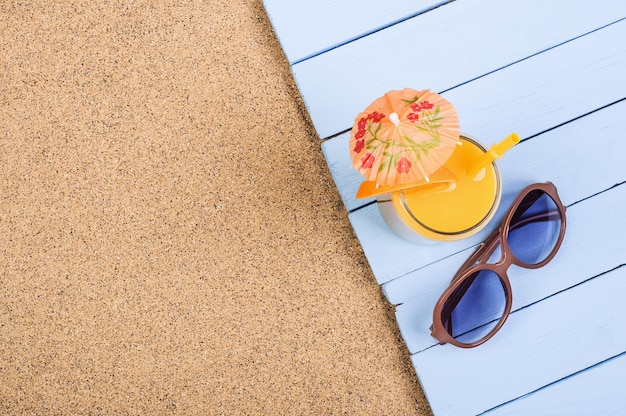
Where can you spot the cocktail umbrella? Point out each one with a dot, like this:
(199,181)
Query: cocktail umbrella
(403,138)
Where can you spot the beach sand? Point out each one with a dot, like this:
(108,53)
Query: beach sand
(171,240)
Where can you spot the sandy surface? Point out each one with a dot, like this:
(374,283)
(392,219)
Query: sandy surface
(171,241)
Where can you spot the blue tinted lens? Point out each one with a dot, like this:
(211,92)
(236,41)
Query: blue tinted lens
(475,307)
(534,228)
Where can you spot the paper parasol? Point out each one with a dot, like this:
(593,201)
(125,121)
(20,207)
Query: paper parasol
(404,137)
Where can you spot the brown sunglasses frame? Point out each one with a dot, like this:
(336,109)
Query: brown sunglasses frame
(477,261)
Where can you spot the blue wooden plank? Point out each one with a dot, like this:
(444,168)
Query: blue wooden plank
(306,28)
(564,77)
(538,345)
(552,338)
(529,97)
(592,245)
(346,178)
(440,49)
(572,150)
(598,390)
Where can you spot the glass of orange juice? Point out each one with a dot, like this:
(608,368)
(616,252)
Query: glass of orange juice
(458,210)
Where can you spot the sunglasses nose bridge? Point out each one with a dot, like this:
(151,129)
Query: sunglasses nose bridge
(507,258)
(505,262)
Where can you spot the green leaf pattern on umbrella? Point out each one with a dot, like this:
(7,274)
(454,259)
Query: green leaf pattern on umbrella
(396,144)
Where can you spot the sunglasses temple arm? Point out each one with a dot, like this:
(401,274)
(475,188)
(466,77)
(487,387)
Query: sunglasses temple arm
(491,243)
(544,216)
(487,247)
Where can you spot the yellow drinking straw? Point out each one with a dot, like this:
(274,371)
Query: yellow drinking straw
(495,152)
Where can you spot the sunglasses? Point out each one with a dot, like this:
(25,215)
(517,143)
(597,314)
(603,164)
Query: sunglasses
(478,301)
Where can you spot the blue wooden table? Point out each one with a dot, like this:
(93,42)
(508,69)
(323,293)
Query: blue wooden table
(553,71)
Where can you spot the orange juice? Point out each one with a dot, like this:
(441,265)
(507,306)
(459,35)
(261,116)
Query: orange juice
(455,212)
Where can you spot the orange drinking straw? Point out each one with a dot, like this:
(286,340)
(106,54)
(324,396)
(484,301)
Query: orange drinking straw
(495,152)
(370,188)
(440,181)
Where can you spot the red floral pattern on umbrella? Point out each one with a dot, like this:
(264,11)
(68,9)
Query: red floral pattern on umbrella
(403,137)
